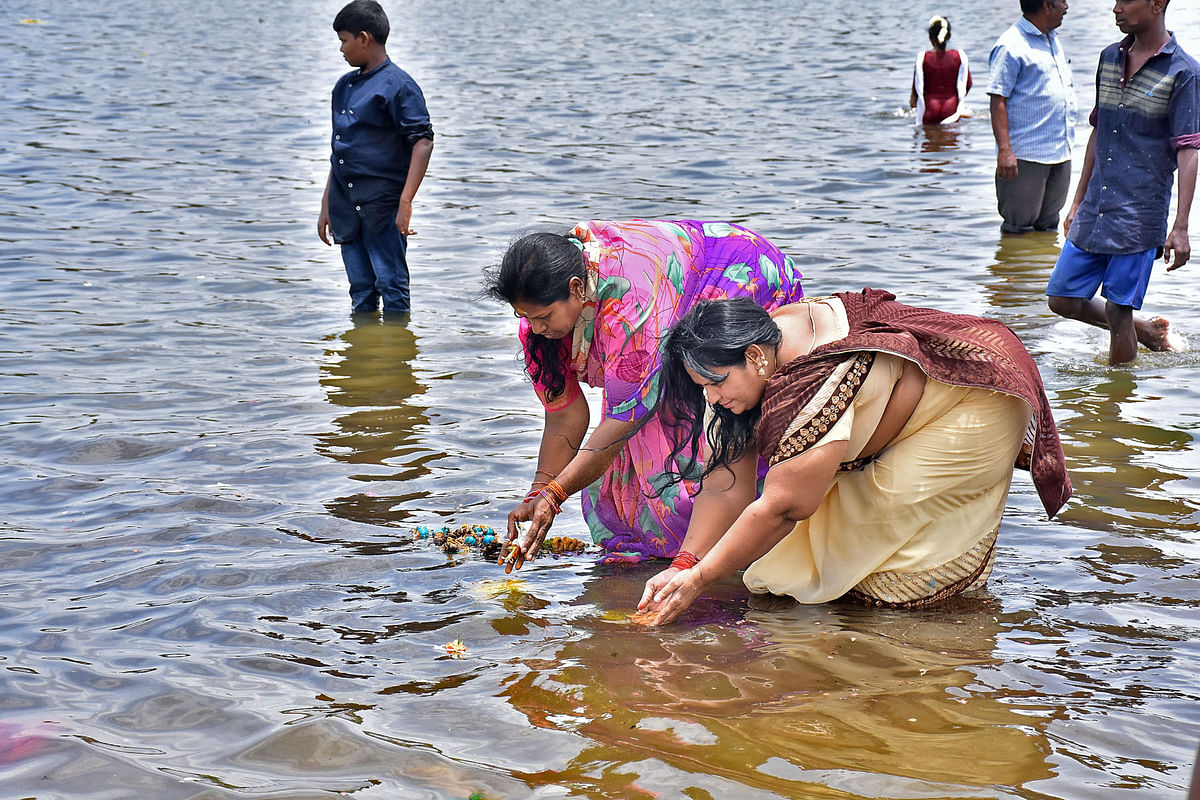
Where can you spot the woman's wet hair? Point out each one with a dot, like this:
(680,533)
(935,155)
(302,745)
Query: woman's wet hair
(714,335)
(538,269)
(939,31)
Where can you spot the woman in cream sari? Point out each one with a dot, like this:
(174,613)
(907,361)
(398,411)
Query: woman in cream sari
(890,432)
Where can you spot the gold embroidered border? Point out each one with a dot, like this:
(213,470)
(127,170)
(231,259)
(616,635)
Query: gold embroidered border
(926,587)
(807,434)
(856,464)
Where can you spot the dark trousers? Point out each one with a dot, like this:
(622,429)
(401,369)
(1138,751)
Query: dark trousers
(376,267)
(1031,201)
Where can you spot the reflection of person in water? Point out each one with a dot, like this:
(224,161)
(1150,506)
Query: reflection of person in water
(1017,278)
(369,371)
(941,78)
(797,685)
(1111,446)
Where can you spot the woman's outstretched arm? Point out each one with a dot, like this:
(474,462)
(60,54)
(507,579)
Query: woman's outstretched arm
(725,494)
(585,466)
(792,491)
(562,435)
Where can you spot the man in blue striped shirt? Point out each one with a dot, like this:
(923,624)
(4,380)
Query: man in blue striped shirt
(1033,118)
(1146,123)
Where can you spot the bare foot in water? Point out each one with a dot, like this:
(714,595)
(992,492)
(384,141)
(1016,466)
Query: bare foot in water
(1161,338)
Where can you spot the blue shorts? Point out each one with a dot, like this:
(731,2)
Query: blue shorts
(1079,273)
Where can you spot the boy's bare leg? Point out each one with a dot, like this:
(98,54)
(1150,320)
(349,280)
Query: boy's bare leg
(1153,333)
(1122,333)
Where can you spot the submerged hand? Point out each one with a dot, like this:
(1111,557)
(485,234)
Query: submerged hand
(653,585)
(540,516)
(672,599)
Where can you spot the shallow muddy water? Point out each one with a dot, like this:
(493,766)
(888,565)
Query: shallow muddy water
(209,472)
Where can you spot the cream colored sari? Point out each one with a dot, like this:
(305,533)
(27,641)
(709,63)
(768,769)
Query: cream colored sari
(918,522)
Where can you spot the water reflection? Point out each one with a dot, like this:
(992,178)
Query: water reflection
(196,620)
(936,140)
(939,138)
(369,371)
(1118,458)
(1019,272)
(805,699)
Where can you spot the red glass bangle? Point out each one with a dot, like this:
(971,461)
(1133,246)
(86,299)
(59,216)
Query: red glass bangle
(685,560)
(534,490)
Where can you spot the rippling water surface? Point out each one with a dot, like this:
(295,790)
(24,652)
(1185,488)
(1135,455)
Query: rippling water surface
(209,472)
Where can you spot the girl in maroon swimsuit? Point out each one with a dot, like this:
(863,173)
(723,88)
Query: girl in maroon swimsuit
(941,78)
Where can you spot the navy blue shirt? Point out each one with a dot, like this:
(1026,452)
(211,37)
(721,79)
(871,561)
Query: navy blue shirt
(1140,124)
(377,117)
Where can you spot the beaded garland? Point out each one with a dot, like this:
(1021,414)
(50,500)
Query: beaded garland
(484,541)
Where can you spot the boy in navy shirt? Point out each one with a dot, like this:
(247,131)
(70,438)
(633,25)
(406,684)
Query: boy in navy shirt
(382,140)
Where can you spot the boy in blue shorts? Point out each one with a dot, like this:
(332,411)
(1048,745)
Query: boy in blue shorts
(1145,123)
(382,140)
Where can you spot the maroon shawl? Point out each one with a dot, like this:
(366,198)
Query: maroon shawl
(956,349)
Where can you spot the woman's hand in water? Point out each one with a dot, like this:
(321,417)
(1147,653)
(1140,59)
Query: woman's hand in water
(652,587)
(664,602)
(540,515)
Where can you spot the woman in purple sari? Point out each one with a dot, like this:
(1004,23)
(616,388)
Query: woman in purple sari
(594,305)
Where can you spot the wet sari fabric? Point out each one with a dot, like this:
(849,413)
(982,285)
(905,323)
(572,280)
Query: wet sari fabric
(917,521)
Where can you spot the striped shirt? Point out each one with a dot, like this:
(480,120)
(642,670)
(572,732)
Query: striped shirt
(1140,122)
(1030,69)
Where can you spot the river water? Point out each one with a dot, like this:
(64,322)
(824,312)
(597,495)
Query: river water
(209,473)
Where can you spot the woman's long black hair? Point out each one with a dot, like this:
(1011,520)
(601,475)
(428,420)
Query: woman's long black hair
(715,334)
(538,269)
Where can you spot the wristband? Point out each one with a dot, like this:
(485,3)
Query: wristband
(534,490)
(551,499)
(558,491)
